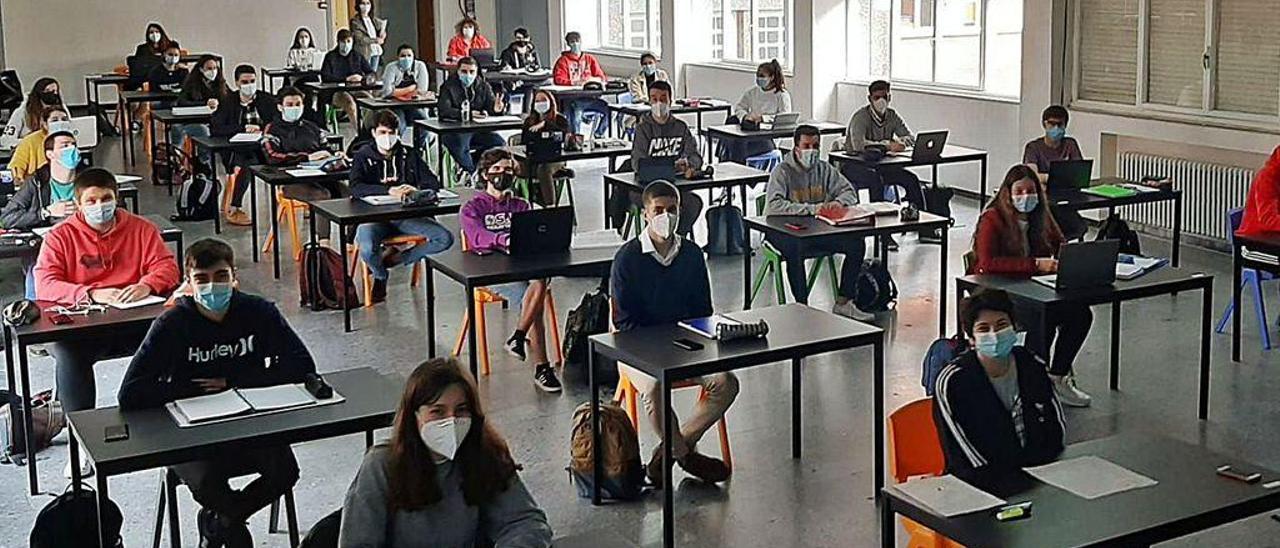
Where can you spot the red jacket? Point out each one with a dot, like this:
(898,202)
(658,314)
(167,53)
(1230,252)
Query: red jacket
(458,47)
(1262,208)
(999,251)
(75,258)
(574,70)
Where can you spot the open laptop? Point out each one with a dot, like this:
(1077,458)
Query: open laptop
(1084,265)
(784,120)
(541,231)
(85,128)
(929,145)
(484,57)
(656,169)
(1070,174)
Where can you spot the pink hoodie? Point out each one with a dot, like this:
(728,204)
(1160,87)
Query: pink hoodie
(75,258)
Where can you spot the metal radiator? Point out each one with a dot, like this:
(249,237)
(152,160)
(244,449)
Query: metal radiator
(1208,192)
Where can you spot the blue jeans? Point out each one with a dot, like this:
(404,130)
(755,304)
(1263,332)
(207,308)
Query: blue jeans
(374,61)
(407,117)
(28,269)
(513,292)
(577,107)
(369,237)
(460,146)
(179,133)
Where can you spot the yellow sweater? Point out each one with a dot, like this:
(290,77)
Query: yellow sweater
(28,156)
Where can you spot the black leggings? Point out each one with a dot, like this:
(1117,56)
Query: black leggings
(276,468)
(1069,325)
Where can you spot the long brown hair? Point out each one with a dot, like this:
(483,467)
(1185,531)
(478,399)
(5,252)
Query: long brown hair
(35,105)
(777,82)
(551,115)
(457,27)
(1039,221)
(483,457)
(164,42)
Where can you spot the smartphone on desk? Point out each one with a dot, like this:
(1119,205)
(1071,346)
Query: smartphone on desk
(59,319)
(116,432)
(687,344)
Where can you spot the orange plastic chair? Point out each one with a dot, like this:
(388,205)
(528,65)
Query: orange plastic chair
(915,450)
(229,188)
(144,111)
(366,277)
(627,395)
(287,212)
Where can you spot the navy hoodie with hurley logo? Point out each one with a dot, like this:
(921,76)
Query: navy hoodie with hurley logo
(252,346)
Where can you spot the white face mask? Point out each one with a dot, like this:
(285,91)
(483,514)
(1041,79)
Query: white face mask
(444,436)
(154,37)
(468,32)
(59,125)
(663,226)
(661,110)
(210,74)
(291,114)
(542,107)
(880,105)
(364,8)
(386,142)
(304,41)
(248,90)
(807,157)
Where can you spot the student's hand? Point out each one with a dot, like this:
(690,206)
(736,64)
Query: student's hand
(895,146)
(135,292)
(538,126)
(498,104)
(252,128)
(355,78)
(104,295)
(318,155)
(400,191)
(831,209)
(682,164)
(62,209)
(475,114)
(212,103)
(209,386)
(832,205)
(688,172)
(757,118)
(1046,266)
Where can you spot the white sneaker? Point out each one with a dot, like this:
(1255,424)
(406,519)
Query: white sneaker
(86,469)
(848,310)
(1070,395)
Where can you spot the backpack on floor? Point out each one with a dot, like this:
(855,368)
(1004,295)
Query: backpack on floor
(725,233)
(937,200)
(324,534)
(940,353)
(170,165)
(197,199)
(47,421)
(591,317)
(320,280)
(874,290)
(71,521)
(623,475)
(1114,228)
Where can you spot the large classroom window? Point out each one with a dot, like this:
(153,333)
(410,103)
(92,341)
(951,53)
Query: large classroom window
(746,31)
(969,45)
(1211,60)
(615,25)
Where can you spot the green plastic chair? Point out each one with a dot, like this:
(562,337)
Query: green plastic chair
(331,118)
(771,265)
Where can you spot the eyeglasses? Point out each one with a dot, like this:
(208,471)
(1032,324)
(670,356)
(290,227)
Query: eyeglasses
(83,308)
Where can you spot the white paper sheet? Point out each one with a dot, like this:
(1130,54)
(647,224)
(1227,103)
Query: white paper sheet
(597,239)
(948,496)
(305,172)
(122,179)
(212,406)
(282,396)
(41,230)
(145,301)
(500,119)
(1090,477)
(246,138)
(381,200)
(446,194)
(192,111)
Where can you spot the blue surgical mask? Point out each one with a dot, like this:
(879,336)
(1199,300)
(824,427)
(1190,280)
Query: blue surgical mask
(467,79)
(171,60)
(996,345)
(69,157)
(291,114)
(214,297)
(405,62)
(575,48)
(1026,203)
(344,47)
(650,69)
(1056,133)
(808,157)
(763,82)
(99,214)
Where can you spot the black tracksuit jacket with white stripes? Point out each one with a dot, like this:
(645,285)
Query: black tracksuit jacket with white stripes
(977,432)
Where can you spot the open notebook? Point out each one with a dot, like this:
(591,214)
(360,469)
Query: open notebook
(242,402)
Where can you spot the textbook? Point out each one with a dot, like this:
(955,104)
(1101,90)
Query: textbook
(145,301)
(245,138)
(707,327)
(852,215)
(243,402)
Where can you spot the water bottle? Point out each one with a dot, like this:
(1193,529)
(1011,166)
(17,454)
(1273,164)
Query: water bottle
(466,111)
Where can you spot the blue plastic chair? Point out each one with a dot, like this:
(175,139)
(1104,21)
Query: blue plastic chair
(765,162)
(1248,277)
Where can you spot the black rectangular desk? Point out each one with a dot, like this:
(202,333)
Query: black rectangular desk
(705,105)
(167,118)
(222,146)
(727,175)
(1266,245)
(324,90)
(951,154)
(475,271)
(796,332)
(129,193)
(733,132)
(276,176)
(127,99)
(289,75)
(1075,200)
(92,83)
(446,127)
(378,103)
(1189,497)
(352,212)
(611,153)
(816,231)
(155,440)
(1164,281)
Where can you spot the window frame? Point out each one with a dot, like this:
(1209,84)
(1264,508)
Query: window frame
(652,24)
(1208,114)
(786,19)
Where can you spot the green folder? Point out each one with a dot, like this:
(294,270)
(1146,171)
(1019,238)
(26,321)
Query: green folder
(1110,191)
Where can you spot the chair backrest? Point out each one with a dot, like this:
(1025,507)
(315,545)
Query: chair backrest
(1234,218)
(914,447)
(766,161)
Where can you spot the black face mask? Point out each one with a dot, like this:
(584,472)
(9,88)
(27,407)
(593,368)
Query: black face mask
(502,181)
(50,98)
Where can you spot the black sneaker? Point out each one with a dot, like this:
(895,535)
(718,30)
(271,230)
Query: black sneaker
(210,527)
(237,536)
(379,291)
(515,345)
(545,377)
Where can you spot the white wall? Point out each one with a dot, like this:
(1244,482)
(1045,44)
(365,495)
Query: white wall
(69,38)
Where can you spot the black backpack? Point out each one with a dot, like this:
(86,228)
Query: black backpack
(197,199)
(324,534)
(320,280)
(725,233)
(875,290)
(169,164)
(1114,228)
(591,317)
(940,353)
(70,520)
(937,200)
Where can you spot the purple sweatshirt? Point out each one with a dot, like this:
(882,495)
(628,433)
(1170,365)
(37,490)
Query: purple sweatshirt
(486,221)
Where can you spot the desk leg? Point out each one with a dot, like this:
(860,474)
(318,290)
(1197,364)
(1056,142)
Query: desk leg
(275,228)
(746,269)
(1177,229)
(368,439)
(982,184)
(103,498)
(608,188)
(431,309)
(1115,345)
(24,373)
(668,500)
(474,310)
(888,526)
(346,277)
(942,283)
(796,364)
(440,160)
(73,446)
(178,252)
(126,132)
(597,461)
(878,420)
(1237,249)
(1206,311)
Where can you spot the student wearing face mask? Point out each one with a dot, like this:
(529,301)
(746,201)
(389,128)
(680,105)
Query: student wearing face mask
(769,96)
(248,110)
(1262,207)
(659,134)
(575,68)
(804,184)
(168,75)
(29,155)
(204,86)
(520,54)
(292,139)
(184,355)
(466,37)
(486,226)
(1016,236)
(879,124)
(387,167)
(303,53)
(467,88)
(157,41)
(661,278)
(649,73)
(28,116)
(1055,146)
(445,479)
(344,64)
(407,79)
(46,196)
(368,33)
(99,255)
(543,122)
(994,406)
